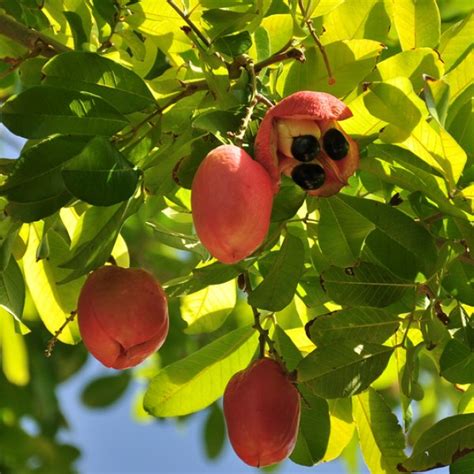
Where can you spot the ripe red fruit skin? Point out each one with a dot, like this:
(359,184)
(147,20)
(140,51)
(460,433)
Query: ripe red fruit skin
(326,111)
(231,200)
(262,413)
(122,315)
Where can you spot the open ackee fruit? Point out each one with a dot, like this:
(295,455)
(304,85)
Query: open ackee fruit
(301,137)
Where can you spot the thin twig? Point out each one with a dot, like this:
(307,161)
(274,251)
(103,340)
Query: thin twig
(189,89)
(52,342)
(312,32)
(190,23)
(264,100)
(293,53)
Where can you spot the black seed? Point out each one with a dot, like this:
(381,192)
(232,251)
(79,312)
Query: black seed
(305,148)
(335,144)
(308,176)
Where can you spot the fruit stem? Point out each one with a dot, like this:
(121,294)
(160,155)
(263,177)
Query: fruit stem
(263,337)
(312,32)
(52,342)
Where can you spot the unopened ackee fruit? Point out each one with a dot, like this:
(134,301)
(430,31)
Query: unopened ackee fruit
(231,202)
(122,315)
(262,413)
(301,137)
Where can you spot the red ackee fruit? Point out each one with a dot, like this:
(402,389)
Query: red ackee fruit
(262,413)
(301,137)
(122,315)
(231,202)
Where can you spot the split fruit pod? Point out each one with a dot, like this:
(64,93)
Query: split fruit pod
(302,138)
(231,200)
(262,413)
(122,315)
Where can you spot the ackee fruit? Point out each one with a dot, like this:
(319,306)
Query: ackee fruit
(304,127)
(262,413)
(122,315)
(231,200)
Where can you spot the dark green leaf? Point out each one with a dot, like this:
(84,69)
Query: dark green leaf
(77,28)
(278,287)
(409,377)
(364,285)
(359,324)
(12,289)
(287,202)
(44,110)
(214,432)
(217,122)
(37,173)
(104,391)
(457,362)
(465,465)
(343,369)
(100,175)
(234,45)
(89,72)
(442,444)
(459,281)
(36,210)
(399,227)
(286,348)
(314,429)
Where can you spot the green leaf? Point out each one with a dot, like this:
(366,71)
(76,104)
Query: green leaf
(456,42)
(409,374)
(380,436)
(12,289)
(198,380)
(382,250)
(14,351)
(442,444)
(286,348)
(466,403)
(459,281)
(341,231)
(412,64)
(206,310)
(94,237)
(77,29)
(279,29)
(214,432)
(313,431)
(89,72)
(37,173)
(386,162)
(201,278)
(218,122)
(54,302)
(343,369)
(351,61)
(364,285)
(394,101)
(104,391)
(287,201)
(44,110)
(100,174)
(417,23)
(278,287)
(349,21)
(436,94)
(457,362)
(342,427)
(398,227)
(234,45)
(465,465)
(357,324)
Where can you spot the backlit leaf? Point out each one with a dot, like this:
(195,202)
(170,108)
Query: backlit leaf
(196,381)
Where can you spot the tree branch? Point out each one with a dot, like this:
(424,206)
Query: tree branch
(312,32)
(31,39)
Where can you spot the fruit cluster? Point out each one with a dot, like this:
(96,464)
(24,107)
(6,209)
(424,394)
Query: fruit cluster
(123,313)
(232,195)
